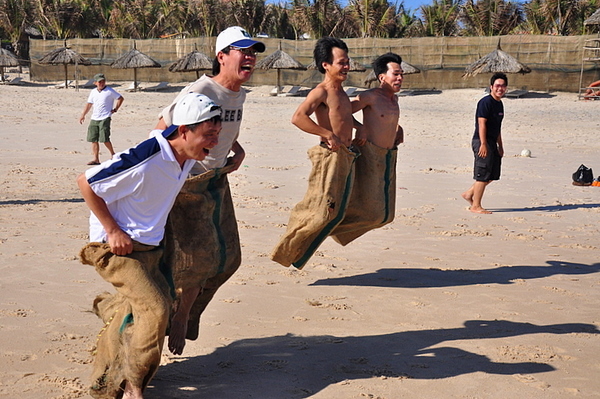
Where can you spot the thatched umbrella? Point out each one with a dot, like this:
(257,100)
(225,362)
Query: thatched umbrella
(496,61)
(65,56)
(194,61)
(7,59)
(406,67)
(354,66)
(134,59)
(279,60)
(594,19)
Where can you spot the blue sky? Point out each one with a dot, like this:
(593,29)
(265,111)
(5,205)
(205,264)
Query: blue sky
(408,4)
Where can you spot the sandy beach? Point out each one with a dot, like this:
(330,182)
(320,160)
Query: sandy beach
(442,303)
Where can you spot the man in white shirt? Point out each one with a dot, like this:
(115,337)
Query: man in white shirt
(130,197)
(102,99)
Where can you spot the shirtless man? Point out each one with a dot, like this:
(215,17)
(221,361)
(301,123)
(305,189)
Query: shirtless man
(373,199)
(328,101)
(380,105)
(333,161)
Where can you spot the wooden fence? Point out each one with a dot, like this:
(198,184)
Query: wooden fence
(555,61)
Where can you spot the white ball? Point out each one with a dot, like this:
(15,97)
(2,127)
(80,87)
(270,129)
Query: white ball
(525,153)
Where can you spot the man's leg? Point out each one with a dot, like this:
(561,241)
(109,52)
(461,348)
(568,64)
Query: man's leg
(132,392)
(140,335)
(468,195)
(179,320)
(95,153)
(104,135)
(108,145)
(93,137)
(478,190)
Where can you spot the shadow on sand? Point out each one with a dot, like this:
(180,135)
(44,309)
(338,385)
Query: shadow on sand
(430,278)
(292,366)
(39,201)
(548,208)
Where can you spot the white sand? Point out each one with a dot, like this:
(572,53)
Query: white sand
(442,303)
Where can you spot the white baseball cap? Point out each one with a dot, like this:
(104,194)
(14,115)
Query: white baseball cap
(238,37)
(194,108)
(191,109)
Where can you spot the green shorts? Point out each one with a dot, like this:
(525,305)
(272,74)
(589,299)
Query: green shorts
(99,131)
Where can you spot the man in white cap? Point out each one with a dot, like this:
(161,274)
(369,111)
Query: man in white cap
(191,231)
(130,197)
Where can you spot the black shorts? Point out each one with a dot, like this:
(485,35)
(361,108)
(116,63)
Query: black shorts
(488,168)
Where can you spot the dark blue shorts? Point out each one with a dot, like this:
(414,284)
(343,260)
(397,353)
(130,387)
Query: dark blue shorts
(488,168)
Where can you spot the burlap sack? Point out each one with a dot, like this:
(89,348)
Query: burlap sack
(130,344)
(373,199)
(202,245)
(321,210)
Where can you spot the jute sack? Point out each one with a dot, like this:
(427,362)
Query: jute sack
(130,344)
(373,199)
(202,246)
(322,208)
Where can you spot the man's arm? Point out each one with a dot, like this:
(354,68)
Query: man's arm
(120,243)
(358,104)
(303,121)
(500,145)
(399,136)
(119,102)
(482,137)
(86,109)
(238,155)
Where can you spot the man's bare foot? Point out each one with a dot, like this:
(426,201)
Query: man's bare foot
(467,197)
(132,392)
(480,210)
(177,333)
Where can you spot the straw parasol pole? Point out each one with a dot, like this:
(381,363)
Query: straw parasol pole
(134,59)
(7,59)
(496,61)
(65,56)
(193,61)
(279,60)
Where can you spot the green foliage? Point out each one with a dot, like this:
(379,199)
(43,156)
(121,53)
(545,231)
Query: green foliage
(441,17)
(290,19)
(491,17)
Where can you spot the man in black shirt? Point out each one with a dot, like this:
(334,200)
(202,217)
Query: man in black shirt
(487,142)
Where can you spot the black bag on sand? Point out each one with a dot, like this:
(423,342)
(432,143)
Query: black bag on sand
(583,176)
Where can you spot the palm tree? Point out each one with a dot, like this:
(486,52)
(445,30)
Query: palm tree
(562,16)
(407,24)
(318,18)
(135,19)
(15,16)
(279,22)
(441,17)
(373,16)
(202,21)
(172,17)
(59,18)
(534,23)
(250,14)
(491,17)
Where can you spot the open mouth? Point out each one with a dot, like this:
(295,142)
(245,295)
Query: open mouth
(206,151)
(247,68)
